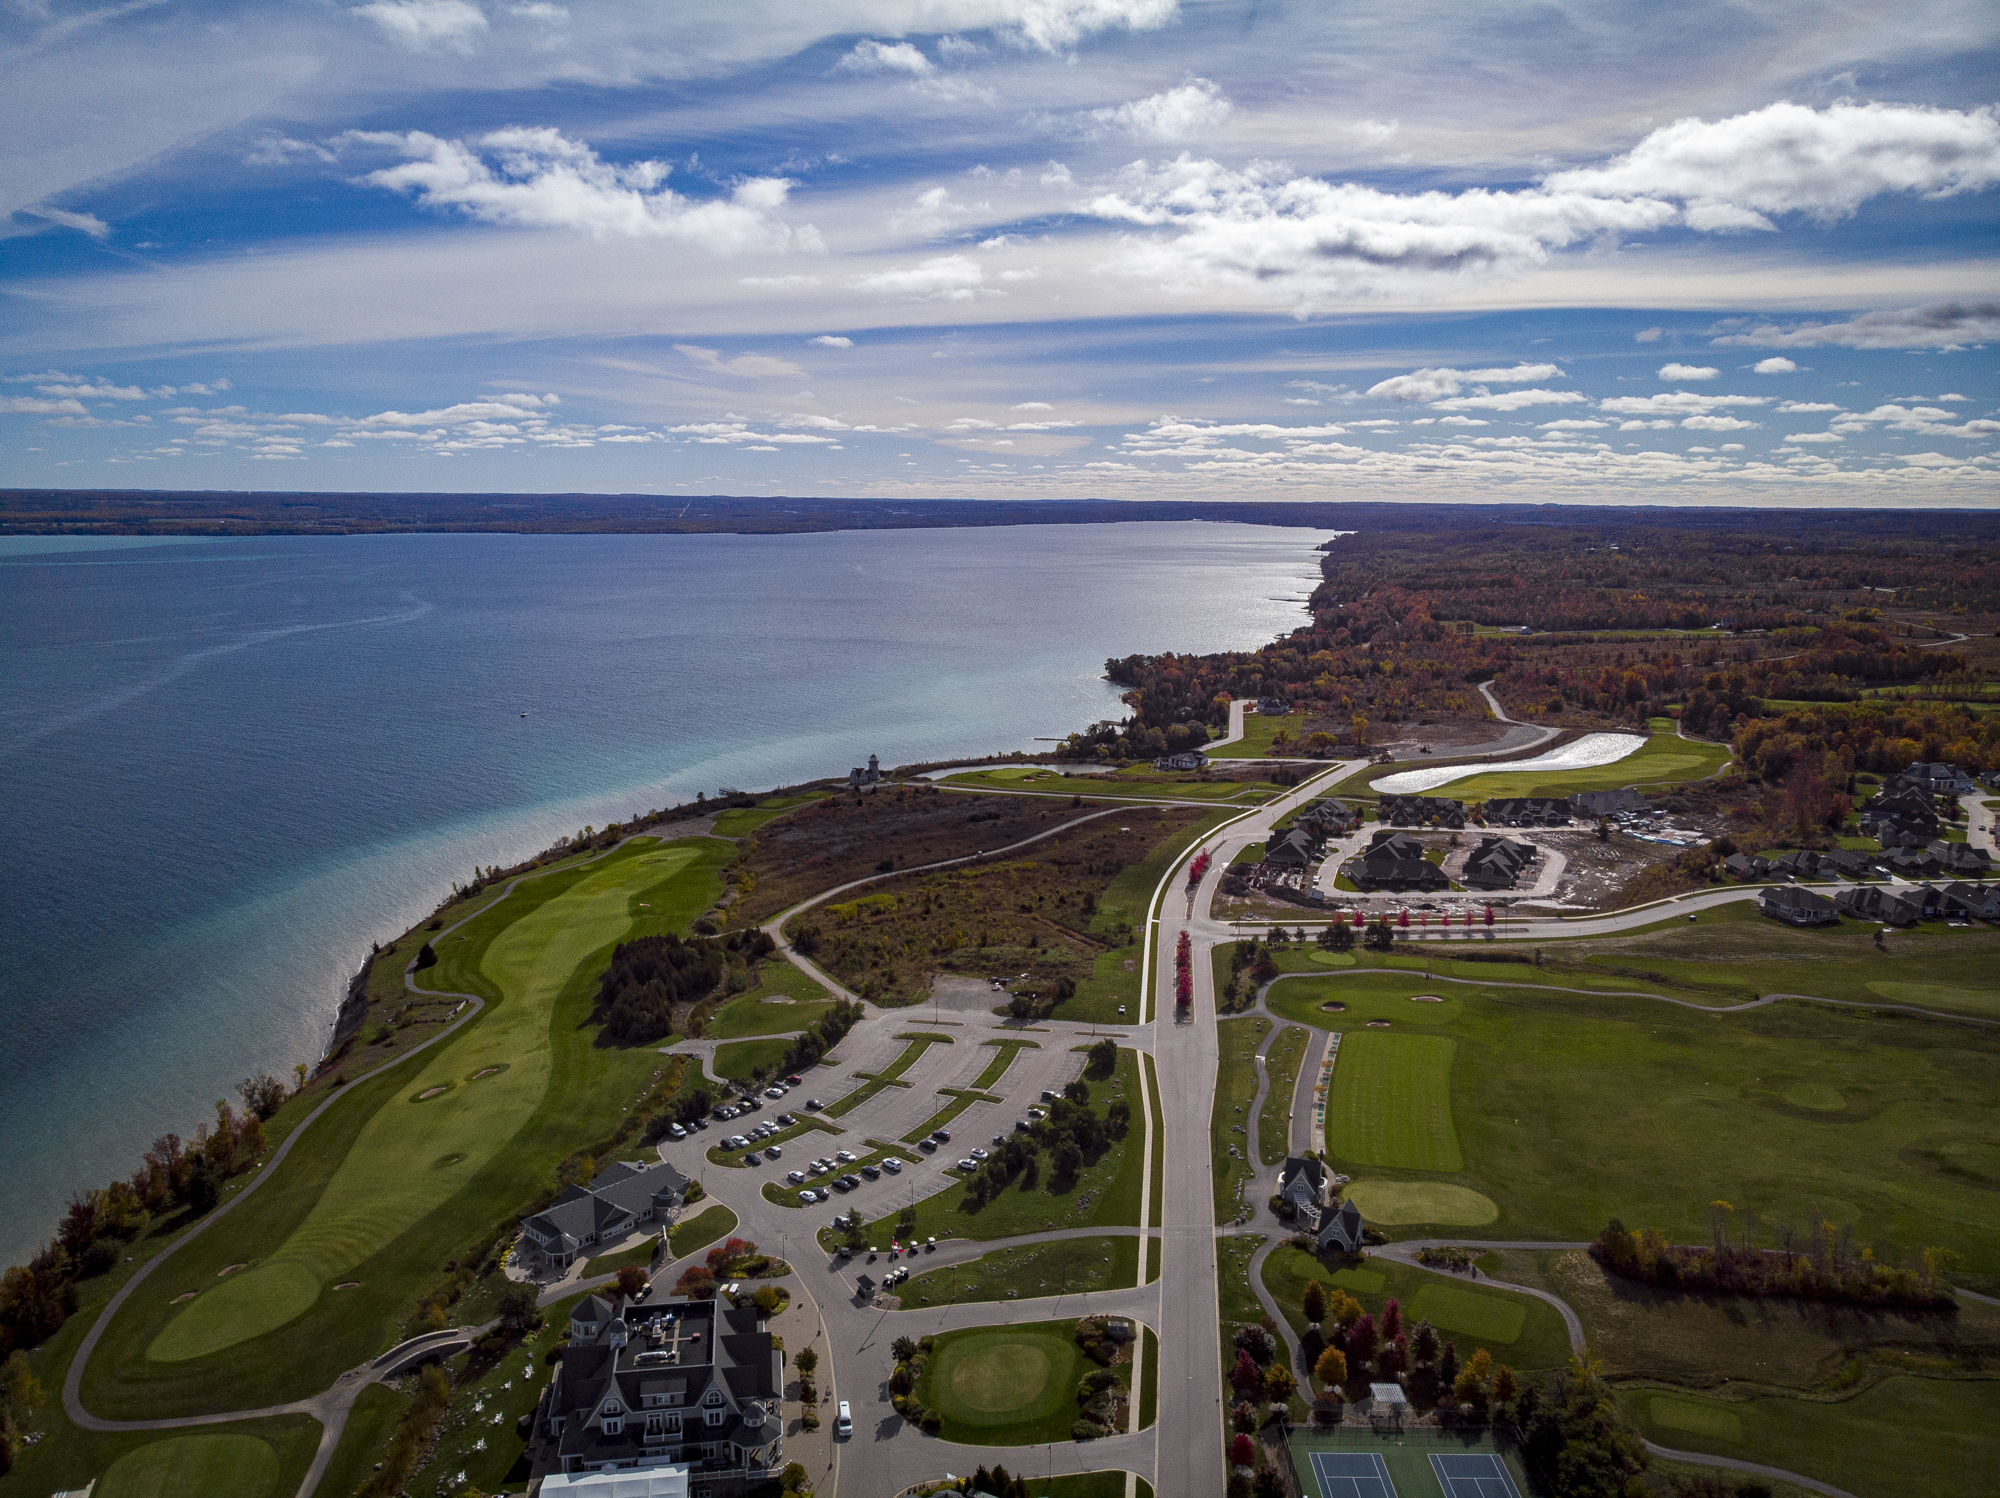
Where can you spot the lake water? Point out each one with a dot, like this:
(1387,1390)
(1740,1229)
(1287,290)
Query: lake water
(230,764)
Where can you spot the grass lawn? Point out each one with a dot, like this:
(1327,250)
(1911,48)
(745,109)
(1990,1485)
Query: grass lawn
(406,1169)
(1802,1113)
(1228,1126)
(1007,1385)
(1703,1341)
(784,1002)
(1274,1120)
(739,1059)
(640,1254)
(1105,1194)
(1520,1331)
(253,1459)
(478,1436)
(1159,1164)
(1232,1272)
(1087,1484)
(1258,732)
(1068,1266)
(697,1232)
(997,1068)
(1906,1435)
(739,821)
(1391,1102)
(1665,759)
(365,1439)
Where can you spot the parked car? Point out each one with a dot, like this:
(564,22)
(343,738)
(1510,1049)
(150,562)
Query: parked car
(1049,1094)
(843,1423)
(796,1177)
(675,1131)
(775,1152)
(928,1146)
(795,1079)
(701,1123)
(753,1158)
(979,1155)
(854,1183)
(942,1136)
(785,1120)
(774,1092)
(840,1184)
(809,1196)
(1022,1126)
(893,1166)
(812,1105)
(968,1165)
(846,1157)
(872,1172)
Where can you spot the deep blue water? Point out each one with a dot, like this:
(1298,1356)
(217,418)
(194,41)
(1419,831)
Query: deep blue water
(230,764)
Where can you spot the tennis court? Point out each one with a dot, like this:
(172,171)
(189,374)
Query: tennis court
(1473,1474)
(1351,1474)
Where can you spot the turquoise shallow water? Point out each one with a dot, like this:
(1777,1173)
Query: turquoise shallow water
(230,764)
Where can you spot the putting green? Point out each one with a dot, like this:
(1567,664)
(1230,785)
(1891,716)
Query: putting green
(411,1156)
(1485,1316)
(1001,1378)
(1396,1202)
(1391,1102)
(215,1466)
(1938,995)
(1331,959)
(1006,1385)
(1818,1096)
(1698,1419)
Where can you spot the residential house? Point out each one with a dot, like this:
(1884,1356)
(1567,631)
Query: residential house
(1329,818)
(1295,849)
(1797,907)
(1273,707)
(1911,863)
(1979,901)
(688,1384)
(1845,863)
(1900,817)
(1937,779)
(1498,862)
(1187,759)
(1340,1229)
(1591,805)
(1303,1188)
(1395,860)
(623,1197)
(1746,866)
(1529,811)
(858,777)
(1801,865)
(1871,902)
(1961,859)
(1415,811)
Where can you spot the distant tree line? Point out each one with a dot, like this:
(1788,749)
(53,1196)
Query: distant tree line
(650,978)
(1822,1264)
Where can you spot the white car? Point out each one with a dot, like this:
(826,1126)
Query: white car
(796,1177)
(893,1166)
(808,1196)
(968,1165)
(774,1092)
(846,1157)
(675,1131)
(979,1154)
(774,1151)
(735,1142)
(843,1423)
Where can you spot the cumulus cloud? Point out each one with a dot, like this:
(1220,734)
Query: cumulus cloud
(892,57)
(1796,408)
(1197,223)
(1508,400)
(1647,335)
(1789,158)
(1431,384)
(1717,424)
(1940,325)
(943,278)
(1815,437)
(540,178)
(1195,108)
(1058,25)
(422,24)
(747,366)
(1678,402)
(29,405)
(833,340)
(1776,364)
(1929,421)
(1688,372)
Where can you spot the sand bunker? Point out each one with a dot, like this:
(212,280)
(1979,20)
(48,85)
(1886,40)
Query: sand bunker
(1334,1006)
(184,1295)
(1378,1024)
(428,1093)
(1425,998)
(348,1285)
(1588,752)
(229,1269)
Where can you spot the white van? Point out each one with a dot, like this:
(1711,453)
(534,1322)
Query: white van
(843,1423)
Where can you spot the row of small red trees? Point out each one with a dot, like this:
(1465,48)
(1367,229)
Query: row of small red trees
(1184,972)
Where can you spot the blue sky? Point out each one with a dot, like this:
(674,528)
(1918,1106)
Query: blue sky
(1691,254)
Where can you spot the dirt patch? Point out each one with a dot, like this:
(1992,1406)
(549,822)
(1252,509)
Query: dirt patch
(184,1295)
(348,1285)
(1425,998)
(229,1269)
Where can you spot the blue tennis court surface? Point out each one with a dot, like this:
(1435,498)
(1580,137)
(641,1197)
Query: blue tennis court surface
(1352,1474)
(1472,1474)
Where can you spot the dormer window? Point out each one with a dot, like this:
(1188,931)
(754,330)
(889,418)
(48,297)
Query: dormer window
(613,1426)
(714,1397)
(613,1407)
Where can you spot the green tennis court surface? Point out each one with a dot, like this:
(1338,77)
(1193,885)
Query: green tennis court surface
(1350,1462)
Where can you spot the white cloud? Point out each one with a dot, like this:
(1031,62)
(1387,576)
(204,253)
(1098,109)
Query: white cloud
(419,24)
(944,278)
(1309,241)
(87,223)
(1815,437)
(1647,335)
(93,390)
(1688,372)
(1430,384)
(1509,400)
(1930,421)
(1195,108)
(1373,132)
(748,366)
(1573,424)
(1795,408)
(1789,158)
(895,57)
(1776,364)
(28,405)
(542,179)
(832,340)
(1454,421)
(1941,325)
(1680,402)
(1057,25)
(1032,406)
(1717,424)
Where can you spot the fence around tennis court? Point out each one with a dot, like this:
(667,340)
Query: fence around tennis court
(1416,1462)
